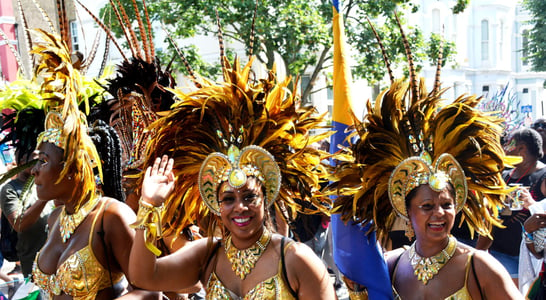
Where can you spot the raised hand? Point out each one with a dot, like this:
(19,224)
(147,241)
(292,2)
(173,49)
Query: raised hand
(158,181)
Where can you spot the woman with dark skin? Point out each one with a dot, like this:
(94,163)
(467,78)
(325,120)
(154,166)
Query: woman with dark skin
(243,213)
(432,215)
(424,160)
(86,252)
(100,239)
(108,215)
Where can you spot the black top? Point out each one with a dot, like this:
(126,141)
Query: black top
(507,240)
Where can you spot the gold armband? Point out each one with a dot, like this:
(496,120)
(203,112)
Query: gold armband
(149,219)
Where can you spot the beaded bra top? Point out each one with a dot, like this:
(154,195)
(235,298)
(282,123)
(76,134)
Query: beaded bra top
(271,288)
(274,287)
(81,275)
(460,294)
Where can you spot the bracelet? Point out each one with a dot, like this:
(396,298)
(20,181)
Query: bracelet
(149,220)
(148,205)
(360,295)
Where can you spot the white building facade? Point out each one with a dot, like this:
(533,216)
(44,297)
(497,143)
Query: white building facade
(489,37)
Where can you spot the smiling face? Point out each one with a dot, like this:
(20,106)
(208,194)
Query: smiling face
(432,213)
(242,211)
(47,172)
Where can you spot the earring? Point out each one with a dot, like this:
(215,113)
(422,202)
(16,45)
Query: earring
(409,231)
(69,177)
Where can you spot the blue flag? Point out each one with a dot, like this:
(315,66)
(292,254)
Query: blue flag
(356,254)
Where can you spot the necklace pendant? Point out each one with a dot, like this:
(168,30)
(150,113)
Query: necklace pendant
(425,268)
(69,223)
(243,261)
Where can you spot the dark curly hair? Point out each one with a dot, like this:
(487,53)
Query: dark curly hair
(530,138)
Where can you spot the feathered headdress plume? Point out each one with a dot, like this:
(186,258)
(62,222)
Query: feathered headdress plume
(239,111)
(407,122)
(25,97)
(65,123)
(140,85)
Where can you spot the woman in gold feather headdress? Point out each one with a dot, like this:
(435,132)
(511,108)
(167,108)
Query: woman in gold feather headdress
(237,147)
(424,162)
(86,253)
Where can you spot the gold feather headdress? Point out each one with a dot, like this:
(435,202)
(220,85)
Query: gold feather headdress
(409,138)
(261,118)
(66,125)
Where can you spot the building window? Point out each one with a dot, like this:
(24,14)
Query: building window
(485,88)
(524,45)
(436,20)
(74,36)
(485,40)
(525,90)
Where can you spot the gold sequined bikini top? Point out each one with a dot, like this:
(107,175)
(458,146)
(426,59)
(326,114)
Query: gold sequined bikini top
(274,287)
(80,276)
(461,294)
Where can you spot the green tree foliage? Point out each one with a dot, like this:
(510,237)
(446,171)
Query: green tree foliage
(300,31)
(536,45)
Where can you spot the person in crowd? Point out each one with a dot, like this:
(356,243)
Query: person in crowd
(531,278)
(526,177)
(25,213)
(425,161)
(233,166)
(540,126)
(26,216)
(87,250)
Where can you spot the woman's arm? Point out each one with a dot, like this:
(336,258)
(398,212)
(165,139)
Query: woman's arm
(173,272)
(307,274)
(118,234)
(495,282)
(532,224)
(22,221)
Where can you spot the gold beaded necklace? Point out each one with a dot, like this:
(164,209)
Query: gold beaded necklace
(69,223)
(243,261)
(426,267)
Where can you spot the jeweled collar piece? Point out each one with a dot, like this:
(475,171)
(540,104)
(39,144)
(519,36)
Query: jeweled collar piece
(243,261)
(425,268)
(69,223)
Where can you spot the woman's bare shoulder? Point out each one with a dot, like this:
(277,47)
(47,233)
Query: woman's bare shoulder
(117,210)
(392,256)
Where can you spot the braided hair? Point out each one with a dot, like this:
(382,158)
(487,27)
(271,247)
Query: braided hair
(108,146)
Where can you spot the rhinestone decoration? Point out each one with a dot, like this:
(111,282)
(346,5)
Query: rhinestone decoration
(243,261)
(425,268)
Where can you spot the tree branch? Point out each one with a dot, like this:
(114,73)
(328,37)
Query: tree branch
(314,76)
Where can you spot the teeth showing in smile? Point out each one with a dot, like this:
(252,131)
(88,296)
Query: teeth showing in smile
(436,224)
(241,220)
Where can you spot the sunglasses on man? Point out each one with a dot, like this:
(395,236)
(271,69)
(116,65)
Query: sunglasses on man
(539,125)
